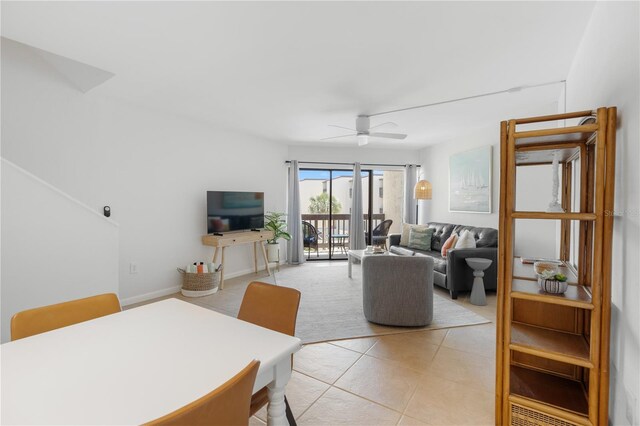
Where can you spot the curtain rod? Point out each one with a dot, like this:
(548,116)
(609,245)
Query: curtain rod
(351,164)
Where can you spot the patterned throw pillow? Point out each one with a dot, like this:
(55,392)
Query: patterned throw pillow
(449,244)
(466,240)
(406,228)
(420,239)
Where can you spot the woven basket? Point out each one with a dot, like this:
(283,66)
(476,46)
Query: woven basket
(196,285)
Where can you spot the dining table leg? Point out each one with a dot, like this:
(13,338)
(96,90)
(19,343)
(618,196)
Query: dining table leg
(276,410)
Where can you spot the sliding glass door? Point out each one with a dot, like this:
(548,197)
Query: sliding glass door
(326,200)
(387,204)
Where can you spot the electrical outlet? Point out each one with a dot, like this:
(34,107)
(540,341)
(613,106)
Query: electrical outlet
(133,268)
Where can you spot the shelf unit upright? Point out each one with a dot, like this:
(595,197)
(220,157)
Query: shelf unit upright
(552,358)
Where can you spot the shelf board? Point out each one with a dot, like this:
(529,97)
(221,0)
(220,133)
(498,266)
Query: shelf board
(550,390)
(555,135)
(576,296)
(553,216)
(526,156)
(555,117)
(550,344)
(524,271)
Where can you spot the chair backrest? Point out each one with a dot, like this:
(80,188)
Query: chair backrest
(308,230)
(270,306)
(227,405)
(383,228)
(47,318)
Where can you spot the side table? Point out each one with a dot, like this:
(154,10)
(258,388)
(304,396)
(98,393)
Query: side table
(478,265)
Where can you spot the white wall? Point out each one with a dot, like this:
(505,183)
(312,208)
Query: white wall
(606,72)
(535,238)
(152,168)
(533,192)
(53,249)
(435,166)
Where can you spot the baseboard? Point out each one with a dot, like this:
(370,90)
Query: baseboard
(175,289)
(148,296)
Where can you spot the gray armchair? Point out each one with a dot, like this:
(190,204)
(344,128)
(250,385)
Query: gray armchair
(397,290)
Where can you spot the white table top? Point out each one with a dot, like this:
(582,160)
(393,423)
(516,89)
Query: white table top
(131,367)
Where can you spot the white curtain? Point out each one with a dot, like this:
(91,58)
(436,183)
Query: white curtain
(295,247)
(356,222)
(410,180)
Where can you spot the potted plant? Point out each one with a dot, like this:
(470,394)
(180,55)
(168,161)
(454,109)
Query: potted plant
(552,282)
(274,221)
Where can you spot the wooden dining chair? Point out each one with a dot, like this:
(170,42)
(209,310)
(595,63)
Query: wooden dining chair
(275,308)
(47,318)
(227,405)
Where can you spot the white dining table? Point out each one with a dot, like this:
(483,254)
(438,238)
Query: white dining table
(138,365)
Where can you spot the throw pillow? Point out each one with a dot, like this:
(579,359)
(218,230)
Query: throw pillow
(449,244)
(406,227)
(466,240)
(420,239)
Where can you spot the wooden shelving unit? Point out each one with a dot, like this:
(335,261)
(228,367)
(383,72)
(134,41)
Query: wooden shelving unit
(552,353)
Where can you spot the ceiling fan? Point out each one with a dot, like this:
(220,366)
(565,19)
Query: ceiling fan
(363,131)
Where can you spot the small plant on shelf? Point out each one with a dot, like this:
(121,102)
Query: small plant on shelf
(552,282)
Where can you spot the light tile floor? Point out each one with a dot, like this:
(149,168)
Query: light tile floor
(435,377)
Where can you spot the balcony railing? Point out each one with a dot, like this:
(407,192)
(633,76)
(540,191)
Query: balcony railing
(338,225)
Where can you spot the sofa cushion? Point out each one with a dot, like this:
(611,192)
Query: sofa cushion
(439,262)
(466,241)
(485,237)
(449,244)
(420,238)
(400,251)
(441,231)
(406,228)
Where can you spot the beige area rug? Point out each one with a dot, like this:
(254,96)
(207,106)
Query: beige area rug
(331,303)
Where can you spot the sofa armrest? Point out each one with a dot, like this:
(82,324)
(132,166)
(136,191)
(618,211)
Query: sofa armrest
(394,239)
(460,275)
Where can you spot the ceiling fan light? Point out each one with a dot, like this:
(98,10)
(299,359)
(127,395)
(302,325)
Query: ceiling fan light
(363,140)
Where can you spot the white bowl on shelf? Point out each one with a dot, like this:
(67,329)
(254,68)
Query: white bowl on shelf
(540,267)
(553,286)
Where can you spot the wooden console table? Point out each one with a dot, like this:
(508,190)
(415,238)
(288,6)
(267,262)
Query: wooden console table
(230,239)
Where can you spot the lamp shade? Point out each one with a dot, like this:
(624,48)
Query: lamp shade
(423,190)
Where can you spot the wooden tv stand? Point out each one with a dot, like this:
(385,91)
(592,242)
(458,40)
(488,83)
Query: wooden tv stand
(231,239)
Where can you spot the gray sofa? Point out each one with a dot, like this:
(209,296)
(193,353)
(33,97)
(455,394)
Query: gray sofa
(452,272)
(398,290)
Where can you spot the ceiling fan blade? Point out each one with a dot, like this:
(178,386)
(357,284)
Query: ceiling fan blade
(341,127)
(341,136)
(384,124)
(388,135)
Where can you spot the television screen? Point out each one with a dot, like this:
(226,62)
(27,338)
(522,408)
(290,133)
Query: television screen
(234,211)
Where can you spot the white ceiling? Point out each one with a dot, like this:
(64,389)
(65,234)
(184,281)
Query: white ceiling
(286,70)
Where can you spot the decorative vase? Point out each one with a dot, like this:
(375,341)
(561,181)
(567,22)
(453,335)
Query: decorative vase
(273,252)
(552,286)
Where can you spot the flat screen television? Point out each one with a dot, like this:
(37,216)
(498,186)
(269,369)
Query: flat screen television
(234,211)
